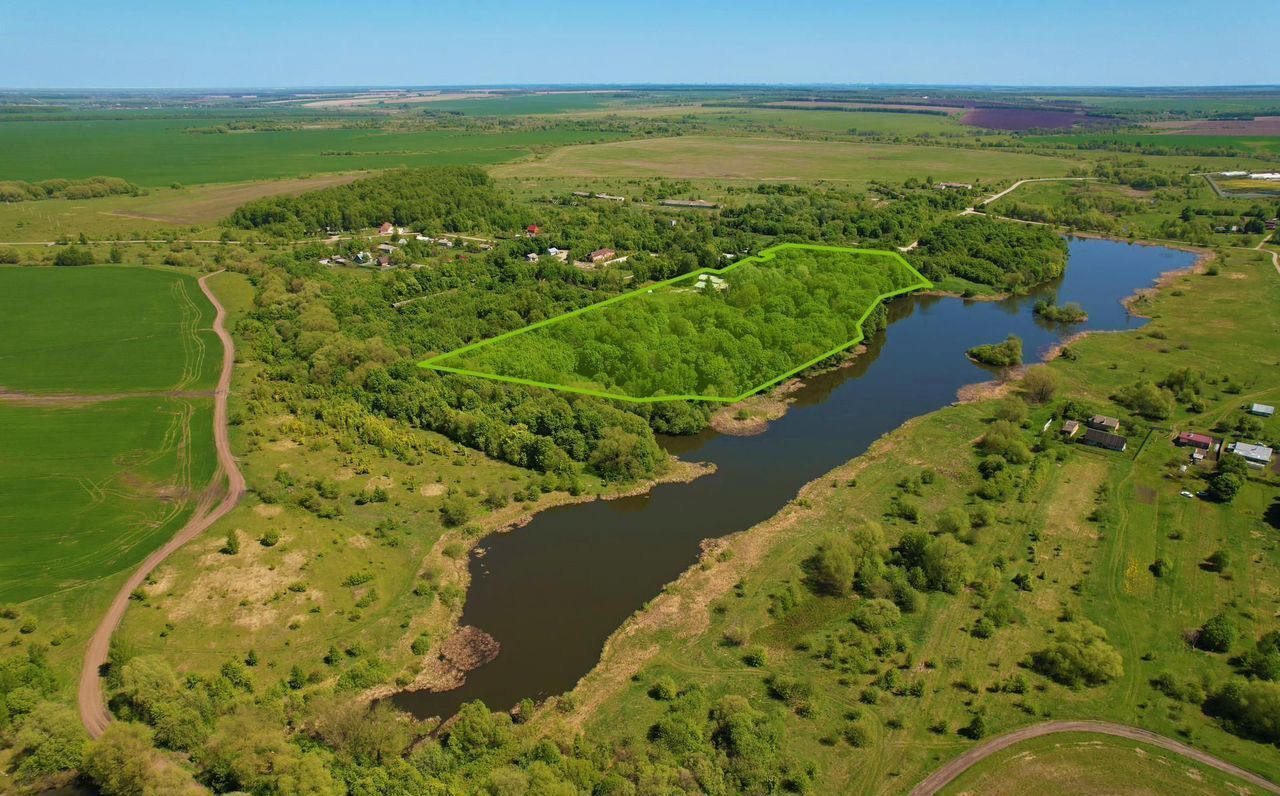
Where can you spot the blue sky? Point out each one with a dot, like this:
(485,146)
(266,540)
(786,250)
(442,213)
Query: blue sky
(260,43)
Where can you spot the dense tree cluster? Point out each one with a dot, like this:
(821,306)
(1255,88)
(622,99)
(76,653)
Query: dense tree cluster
(990,252)
(91,188)
(431,200)
(695,338)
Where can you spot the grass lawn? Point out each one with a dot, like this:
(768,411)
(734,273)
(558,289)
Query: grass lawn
(160,152)
(105,329)
(1075,763)
(738,158)
(1081,532)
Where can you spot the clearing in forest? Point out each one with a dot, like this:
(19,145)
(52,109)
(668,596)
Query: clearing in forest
(710,335)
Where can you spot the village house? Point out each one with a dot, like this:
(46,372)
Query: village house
(1262,410)
(532,257)
(696,204)
(386,248)
(532,230)
(386,228)
(560,254)
(600,255)
(1192,440)
(384,263)
(709,280)
(1255,455)
(954,186)
(1104,423)
(1101,439)
(1070,428)
(609,197)
(583,194)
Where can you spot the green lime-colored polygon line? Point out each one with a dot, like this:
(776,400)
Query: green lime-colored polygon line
(767,254)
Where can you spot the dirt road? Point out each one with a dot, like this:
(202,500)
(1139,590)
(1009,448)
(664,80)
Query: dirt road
(945,775)
(1011,188)
(91,701)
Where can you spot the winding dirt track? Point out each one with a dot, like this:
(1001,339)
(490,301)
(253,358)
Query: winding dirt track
(945,775)
(92,703)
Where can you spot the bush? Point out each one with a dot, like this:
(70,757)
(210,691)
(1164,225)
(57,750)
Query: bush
(876,616)
(73,256)
(1040,384)
(1218,561)
(1263,661)
(1217,634)
(664,689)
(1079,656)
(1146,399)
(830,570)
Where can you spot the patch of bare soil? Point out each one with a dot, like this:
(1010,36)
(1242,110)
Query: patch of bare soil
(447,666)
(267,510)
(986,390)
(432,490)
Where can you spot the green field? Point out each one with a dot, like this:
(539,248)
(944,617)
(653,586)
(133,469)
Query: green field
(740,158)
(160,152)
(714,334)
(1078,763)
(105,329)
(526,104)
(88,491)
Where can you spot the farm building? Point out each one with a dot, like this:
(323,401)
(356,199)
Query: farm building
(1193,440)
(560,254)
(609,197)
(953,186)
(712,281)
(1070,428)
(1255,455)
(1101,439)
(697,204)
(532,257)
(386,248)
(386,228)
(532,229)
(384,263)
(1104,423)
(1262,410)
(600,255)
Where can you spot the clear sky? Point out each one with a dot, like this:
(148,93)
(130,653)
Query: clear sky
(268,43)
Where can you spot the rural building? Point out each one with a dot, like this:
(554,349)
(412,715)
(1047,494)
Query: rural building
(384,262)
(532,257)
(609,197)
(1193,440)
(1070,428)
(386,248)
(943,186)
(583,194)
(560,254)
(1101,439)
(386,228)
(1255,455)
(1262,410)
(709,280)
(600,255)
(697,204)
(1104,423)
(532,229)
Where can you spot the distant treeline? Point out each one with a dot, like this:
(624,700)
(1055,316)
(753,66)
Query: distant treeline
(772,106)
(446,199)
(93,187)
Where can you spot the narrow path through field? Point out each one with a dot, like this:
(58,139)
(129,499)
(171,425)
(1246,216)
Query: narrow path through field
(948,773)
(91,700)
(1019,183)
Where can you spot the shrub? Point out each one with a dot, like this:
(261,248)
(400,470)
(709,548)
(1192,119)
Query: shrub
(1218,561)
(1217,634)
(1001,355)
(1249,708)
(1263,661)
(876,616)
(73,256)
(1040,384)
(1079,656)
(664,689)
(830,570)
(1147,400)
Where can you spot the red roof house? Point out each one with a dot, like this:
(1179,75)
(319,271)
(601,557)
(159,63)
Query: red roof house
(533,229)
(1195,440)
(386,229)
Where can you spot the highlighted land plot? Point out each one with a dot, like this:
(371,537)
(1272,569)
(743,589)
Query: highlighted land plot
(712,335)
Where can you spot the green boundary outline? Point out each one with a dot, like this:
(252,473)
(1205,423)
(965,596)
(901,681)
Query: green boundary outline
(765,255)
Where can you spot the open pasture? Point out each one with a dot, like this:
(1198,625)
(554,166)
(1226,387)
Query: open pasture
(160,152)
(741,158)
(104,329)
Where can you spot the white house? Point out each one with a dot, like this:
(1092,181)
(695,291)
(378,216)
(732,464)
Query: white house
(1255,455)
(1262,410)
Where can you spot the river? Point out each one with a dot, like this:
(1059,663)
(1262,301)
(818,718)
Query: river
(552,591)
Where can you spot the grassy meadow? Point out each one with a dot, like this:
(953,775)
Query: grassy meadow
(1073,763)
(105,329)
(1078,542)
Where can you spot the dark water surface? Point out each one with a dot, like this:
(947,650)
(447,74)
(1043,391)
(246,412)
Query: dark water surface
(552,591)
